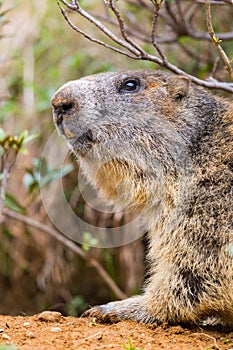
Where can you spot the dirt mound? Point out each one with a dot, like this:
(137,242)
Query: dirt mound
(53,331)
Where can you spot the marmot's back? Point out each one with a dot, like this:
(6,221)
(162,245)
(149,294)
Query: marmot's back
(163,147)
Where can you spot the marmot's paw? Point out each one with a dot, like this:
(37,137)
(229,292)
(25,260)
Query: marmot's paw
(102,314)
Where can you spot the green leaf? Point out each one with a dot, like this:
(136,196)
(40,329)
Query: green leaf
(22,136)
(23,150)
(2,134)
(31,181)
(28,180)
(130,346)
(12,203)
(40,165)
(88,241)
(30,138)
(67,169)
(55,174)
(216,40)
(8,347)
(40,174)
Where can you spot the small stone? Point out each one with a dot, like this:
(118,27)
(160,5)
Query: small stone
(30,335)
(26,324)
(49,316)
(56,329)
(1,330)
(6,336)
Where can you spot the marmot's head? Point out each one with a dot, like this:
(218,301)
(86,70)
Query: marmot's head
(105,106)
(133,125)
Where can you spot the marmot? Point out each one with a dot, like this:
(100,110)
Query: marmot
(162,146)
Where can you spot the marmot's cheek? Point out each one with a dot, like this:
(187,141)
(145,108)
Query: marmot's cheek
(82,144)
(68,133)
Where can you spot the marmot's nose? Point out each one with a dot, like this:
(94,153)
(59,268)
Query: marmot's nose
(63,105)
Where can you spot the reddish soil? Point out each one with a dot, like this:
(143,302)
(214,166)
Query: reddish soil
(53,331)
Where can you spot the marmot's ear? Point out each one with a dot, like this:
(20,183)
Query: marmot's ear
(178,86)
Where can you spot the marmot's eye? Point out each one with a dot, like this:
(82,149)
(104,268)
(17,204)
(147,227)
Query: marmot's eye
(130,85)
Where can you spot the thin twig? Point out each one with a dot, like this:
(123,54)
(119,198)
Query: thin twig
(192,10)
(174,22)
(205,36)
(181,14)
(101,27)
(69,244)
(89,37)
(216,2)
(111,4)
(215,67)
(154,23)
(140,4)
(216,40)
(138,32)
(69,5)
(5,175)
(195,55)
(210,337)
(6,165)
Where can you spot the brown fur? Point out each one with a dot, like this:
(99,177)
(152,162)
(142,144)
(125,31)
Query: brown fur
(163,149)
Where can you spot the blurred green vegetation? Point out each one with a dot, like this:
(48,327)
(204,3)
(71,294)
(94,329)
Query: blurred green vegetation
(8,347)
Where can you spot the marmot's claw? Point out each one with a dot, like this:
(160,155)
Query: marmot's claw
(93,312)
(100,314)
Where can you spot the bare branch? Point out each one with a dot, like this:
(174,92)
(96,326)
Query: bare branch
(71,245)
(140,4)
(196,56)
(211,84)
(5,175)
(181,15)
(138,32)
(216,40)
(205,36)
(69,5)
(154,23)
(178,19)
(7,161)
(101,27)
(216,2)
(173,22)
(89,37)
(111,4)
(215,66)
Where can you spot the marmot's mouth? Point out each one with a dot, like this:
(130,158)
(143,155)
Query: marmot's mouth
(84,143)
